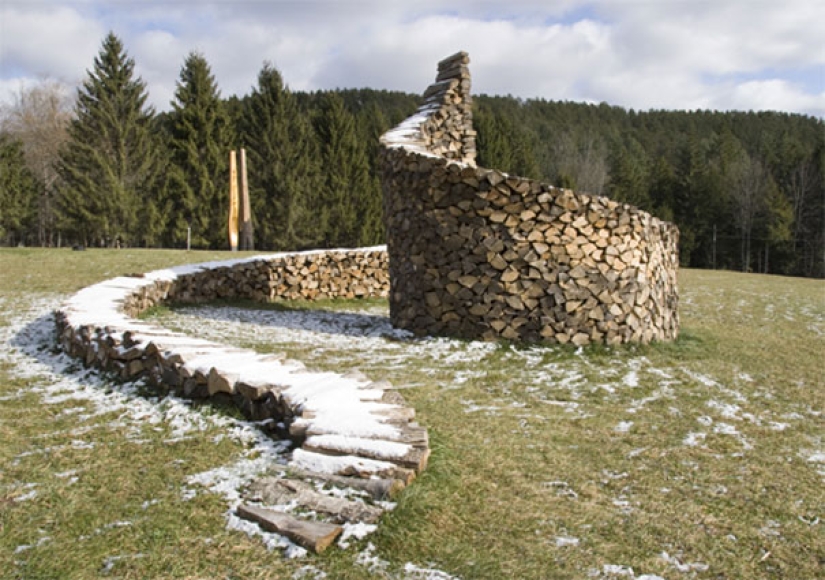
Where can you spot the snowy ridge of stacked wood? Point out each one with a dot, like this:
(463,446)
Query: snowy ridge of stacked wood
(478,253)
(347,429)
(443,125)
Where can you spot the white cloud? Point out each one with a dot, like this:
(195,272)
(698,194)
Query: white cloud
(46,40)
(774,94)
(675,54)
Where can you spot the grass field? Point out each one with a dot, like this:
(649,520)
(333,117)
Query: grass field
(704,458)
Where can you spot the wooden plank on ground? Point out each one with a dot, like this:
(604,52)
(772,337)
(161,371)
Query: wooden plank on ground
(315,536)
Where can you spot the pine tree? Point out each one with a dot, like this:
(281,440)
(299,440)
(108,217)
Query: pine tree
(371,123)
(663,184)
(494,150)
(629,175)
(18,195)
(198,176)
(778,229)
(350,201)
(110,163)
(283,166)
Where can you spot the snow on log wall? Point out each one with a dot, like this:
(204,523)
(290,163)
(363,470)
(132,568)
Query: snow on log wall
(347,424)
(352,433)
(475,252)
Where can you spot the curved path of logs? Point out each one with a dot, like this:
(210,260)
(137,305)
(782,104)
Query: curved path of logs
(349,432)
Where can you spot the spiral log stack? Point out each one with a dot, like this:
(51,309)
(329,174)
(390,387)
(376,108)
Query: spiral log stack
(478,253)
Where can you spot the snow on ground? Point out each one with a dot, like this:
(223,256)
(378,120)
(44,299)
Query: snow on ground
(366,339)
(27,350)
(28,342)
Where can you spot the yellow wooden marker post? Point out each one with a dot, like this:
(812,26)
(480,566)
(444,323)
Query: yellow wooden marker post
(233,202)
(245,218)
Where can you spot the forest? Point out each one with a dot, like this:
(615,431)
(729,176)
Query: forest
(102,168)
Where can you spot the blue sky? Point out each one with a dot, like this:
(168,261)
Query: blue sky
(640,54)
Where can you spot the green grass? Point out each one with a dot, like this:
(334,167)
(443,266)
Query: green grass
(534,446)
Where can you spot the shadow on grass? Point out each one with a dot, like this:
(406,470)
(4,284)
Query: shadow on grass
(334,317)
(295,316)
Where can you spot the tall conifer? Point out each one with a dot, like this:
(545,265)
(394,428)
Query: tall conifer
(197,179)
(110,162)
(283,166)
(18,194)
(350,204)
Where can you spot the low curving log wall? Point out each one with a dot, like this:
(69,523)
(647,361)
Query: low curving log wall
(348,430)
(477,253)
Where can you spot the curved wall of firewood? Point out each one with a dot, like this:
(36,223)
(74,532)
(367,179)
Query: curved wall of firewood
(475,252)
(349,431)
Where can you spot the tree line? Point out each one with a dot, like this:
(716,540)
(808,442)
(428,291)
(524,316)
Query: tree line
(747,190)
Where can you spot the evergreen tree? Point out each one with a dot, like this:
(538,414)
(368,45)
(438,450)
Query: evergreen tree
(283,166)
(663,184)
(371,123)
(492,141)
(691,194)
(110,163)
(629,175)
(197,183)
(777,224)
(18,195)
(350,204)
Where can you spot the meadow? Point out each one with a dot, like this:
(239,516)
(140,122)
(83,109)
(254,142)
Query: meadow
(702,458)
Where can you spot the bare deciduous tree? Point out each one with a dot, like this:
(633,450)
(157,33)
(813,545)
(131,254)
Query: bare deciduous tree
(581,161)
(748,184)
(39,119)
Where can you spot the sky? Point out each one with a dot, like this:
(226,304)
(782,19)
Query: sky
(638,54)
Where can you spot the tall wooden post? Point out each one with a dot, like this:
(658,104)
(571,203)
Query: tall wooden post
(247,232)
(233,202)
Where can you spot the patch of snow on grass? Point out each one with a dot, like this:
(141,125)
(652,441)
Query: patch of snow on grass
(309,573)
(816,457)
(117,524)
(358,531)
(110,561)
(413,572)
(727,410)
(565,541)
(693,439)
(683,567)
(618,570)
(631,379)
(370,560)
(31,494)
(623,427)
(661,393)
(728,429)
(38,543)
(472,407)
(725,429)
